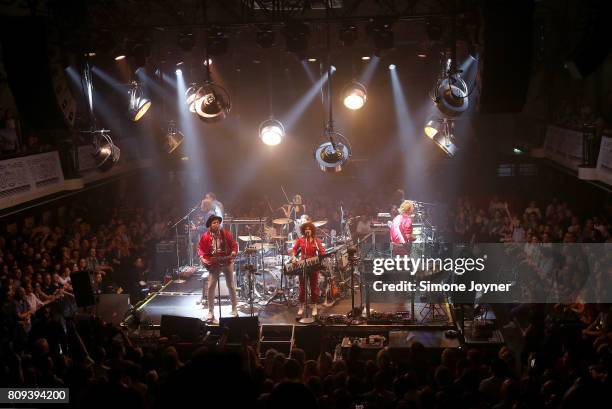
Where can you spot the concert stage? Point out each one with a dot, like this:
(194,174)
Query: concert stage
(278,324)
(181,297)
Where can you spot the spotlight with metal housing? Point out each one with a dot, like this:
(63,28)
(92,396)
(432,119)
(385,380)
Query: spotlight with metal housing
(271,132)
(173,138)
(139,104)
(354,95)
(333,154)
(106,153)
(450,94)
(432,127)
(446,143)
(210,101)
(440,131)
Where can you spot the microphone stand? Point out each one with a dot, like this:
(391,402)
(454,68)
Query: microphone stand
(175,227)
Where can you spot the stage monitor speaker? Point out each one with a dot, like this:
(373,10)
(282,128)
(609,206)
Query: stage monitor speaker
(188,329)
(83,292)
(239,327)
(112,307)
(309,338)
(505,66)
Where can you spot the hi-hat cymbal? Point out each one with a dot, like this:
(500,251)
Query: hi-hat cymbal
(282,220)
(259,246)
(320,223)
(249,238)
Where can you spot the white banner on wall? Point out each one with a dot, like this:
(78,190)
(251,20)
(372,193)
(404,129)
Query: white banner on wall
(29,177)
(604,161)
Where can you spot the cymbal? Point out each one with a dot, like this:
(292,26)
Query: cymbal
(320,223)
(278,237)
(249,238)
(290,241)
(282,220)
(259,246)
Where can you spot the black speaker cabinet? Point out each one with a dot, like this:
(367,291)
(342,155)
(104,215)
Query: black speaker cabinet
(188,329)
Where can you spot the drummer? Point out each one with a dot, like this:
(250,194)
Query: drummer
(303,219)
(294,209)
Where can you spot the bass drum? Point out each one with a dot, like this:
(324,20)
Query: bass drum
(267,282)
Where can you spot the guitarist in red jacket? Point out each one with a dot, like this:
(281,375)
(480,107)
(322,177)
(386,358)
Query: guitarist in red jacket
(217,249)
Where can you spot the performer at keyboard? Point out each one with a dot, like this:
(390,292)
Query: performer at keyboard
(308,246)
(400,230)
(217,249)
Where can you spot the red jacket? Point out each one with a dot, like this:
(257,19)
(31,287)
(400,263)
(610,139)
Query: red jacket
(401,229)
(308,249)
(227,246)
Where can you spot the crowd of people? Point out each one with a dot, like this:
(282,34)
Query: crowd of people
(564,362)
(555,222)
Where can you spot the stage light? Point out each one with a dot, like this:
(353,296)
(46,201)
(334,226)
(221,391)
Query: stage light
(446,143)
(296,37)
(190,97)
(354,95)
(265,37)
(450,94)
(312,60)
(210,61)
(139,104)
(106,153)
(365,58)
(271,132)
(391,66)
(179,71)
(210,101)
(332,155)
(440,131)
(120,57)
(431,128)
(517,150)
(173,138)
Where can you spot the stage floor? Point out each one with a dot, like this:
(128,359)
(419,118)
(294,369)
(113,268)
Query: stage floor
(182,299)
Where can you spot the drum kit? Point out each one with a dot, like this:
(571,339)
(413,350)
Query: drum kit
(269,251)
